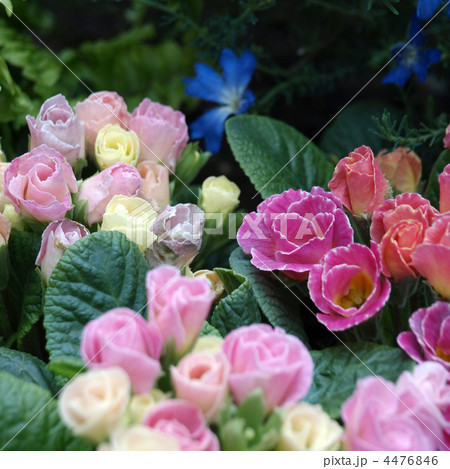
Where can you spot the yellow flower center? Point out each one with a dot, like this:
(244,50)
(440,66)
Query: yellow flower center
(360,288)
(442,355)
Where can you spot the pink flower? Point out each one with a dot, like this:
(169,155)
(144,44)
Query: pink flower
(430,336)
(5,229)
(56,238)
(377,419)
(3,199)
(402,168)
(271,360)
(118,179)
(183,421)
(121,337)
(432,258)
(447,137)
(98,110)
(155,183)
(358,182)
(162,132)
(444,187)
(201,378)
(347,287)
(177,305)
(405,207)
(39,184)
(58,127)
(293,230)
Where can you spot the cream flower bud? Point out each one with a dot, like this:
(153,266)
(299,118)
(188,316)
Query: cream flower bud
(133,217)
(140,404)
(15,218)
(5,229)
(217,286)
(307,427)
(93,403)
(208,344)
(114,144)
(219,195)
(3,199)
(140,438)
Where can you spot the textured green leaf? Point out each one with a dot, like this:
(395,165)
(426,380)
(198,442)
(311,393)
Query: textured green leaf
(28,368)
(432,191)
(263,146)
(337,370)
(29,419)
(230,279)
(99,272)
(279,305)
(207,329)
(4,266)
(236,310)
(67,367)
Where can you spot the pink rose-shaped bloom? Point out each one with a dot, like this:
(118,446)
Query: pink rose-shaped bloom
(98,190)
(155,183)
(347,286)
(444,189)
(5,229)
(177,305)
(183,421)
(293,230)
(430,336)
(121,337)
(98,110)
(39,184)
(202,378)
(269,359)
(358,182)
(58,127)
(377,419)
(447,137)
(3,199)
(56,238)
(402,168)
(405,207)
(432,258)
(162,132)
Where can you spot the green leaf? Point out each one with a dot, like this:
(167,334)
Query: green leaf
(99,272)
(29,419)
(337,370)
(4,266)
(278,304)
(207,329)
(230,278)
(67,367)
(190,163)
(27,368)
(263,146)
(432,191)
(8,6)
(236,310)
(352,128)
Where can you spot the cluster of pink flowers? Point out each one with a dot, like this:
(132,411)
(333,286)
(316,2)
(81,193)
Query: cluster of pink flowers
(307,235)
(253,357)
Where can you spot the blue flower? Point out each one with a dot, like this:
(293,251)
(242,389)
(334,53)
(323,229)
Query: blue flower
(413,58)
(426,8)
(229,91)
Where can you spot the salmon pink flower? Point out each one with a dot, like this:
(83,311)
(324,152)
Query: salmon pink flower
(444,188)
(358,182)
(430,336)
(347,287)
(291,231)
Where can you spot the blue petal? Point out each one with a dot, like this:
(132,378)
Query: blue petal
(237,71)
(210,126)
(421,70)
(208,85)
(399,75)
(414,29)
(426,8)
(448,11)
(430,56)
(248,99)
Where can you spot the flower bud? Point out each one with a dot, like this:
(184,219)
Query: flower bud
(3,199)
(140,404)
(114,144)
(401,167)
(307,427)
(93,402)
(208,344)
(155,183)
(447,137)
(133,217)
(219,195)
(5,229)
(179,231)
(56,238)
(17,221)
(217,286)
